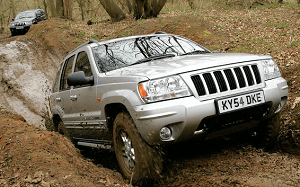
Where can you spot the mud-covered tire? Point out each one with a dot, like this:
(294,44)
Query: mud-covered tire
(138,162)
(269,131)
(61,129)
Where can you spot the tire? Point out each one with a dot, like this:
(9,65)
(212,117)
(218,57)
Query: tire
(269,131)
(13,33)
(61,129)
(138,162)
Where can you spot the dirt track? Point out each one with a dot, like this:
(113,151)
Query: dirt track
(31,156)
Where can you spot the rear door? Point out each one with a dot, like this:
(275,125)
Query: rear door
(62,102)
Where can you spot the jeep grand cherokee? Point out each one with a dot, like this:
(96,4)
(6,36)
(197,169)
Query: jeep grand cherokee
(137,94)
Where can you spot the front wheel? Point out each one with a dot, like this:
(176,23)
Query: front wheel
(269,131)
(138,162)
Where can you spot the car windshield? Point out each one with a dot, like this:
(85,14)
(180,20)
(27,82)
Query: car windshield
(127,52)
(25,15)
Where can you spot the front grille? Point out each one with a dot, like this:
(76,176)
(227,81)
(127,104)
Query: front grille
(226,79)
(20,24)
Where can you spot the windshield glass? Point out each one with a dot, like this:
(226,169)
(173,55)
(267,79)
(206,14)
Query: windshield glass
(127,52)
(25,15)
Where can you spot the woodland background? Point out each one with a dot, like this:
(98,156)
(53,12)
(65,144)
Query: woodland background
(97,10)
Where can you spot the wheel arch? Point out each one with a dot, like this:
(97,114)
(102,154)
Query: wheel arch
(56,119)
(111,112)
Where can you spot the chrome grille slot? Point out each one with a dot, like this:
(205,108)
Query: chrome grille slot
(226,79)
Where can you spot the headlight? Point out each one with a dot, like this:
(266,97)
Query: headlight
(271,69)
(28,22)
(163,89)
(12,24)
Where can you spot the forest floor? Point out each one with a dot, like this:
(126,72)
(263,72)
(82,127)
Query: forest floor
(33,156)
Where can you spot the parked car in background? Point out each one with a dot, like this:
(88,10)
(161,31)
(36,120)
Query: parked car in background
(22,22)
(136,94)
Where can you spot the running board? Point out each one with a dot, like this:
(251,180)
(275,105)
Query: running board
(101,144)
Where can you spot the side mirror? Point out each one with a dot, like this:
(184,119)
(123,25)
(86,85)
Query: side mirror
(13,19)
(79,79)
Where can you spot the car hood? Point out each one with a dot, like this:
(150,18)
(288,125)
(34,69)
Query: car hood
(181,64)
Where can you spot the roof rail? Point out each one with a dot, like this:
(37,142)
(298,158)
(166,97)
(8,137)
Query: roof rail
(86,43)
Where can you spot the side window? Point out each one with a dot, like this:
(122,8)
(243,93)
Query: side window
(83,64)
(55,87)
(66,71)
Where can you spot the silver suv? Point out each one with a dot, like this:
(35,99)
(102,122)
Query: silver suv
(137,94)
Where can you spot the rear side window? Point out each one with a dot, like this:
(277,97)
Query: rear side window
(67,70)
(55,87)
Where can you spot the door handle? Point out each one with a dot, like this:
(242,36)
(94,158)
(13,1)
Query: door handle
(73,97)
(58,99)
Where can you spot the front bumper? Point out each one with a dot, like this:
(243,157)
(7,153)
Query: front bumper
(19,29)
(188,117)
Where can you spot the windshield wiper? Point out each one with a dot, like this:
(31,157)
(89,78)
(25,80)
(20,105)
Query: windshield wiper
(195,52)
(153,58)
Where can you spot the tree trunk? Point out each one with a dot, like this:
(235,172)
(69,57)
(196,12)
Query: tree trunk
(157,7)
(60,8)
(129,6)
(191,4)
(148,9)
(68,9)
(81,5)
(139,9)
(13,7)
(45,7)
(113,10)
(52,8)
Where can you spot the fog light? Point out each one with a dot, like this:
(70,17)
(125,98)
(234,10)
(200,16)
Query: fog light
(165,133)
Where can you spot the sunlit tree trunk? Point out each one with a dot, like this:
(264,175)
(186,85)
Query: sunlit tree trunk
(113,10)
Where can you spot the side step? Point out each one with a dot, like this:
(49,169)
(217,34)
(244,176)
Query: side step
(101,144)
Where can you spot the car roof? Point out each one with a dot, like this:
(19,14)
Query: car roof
(32,10)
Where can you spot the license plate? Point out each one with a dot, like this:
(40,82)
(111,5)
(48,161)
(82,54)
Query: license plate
(19,27)
(239,102)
